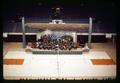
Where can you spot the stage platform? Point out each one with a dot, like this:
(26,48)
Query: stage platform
(59,66)
(76,51)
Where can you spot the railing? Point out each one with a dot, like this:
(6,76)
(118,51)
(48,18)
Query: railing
(66,20)
(97,28)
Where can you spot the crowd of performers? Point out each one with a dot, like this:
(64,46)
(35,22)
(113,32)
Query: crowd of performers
(47,43)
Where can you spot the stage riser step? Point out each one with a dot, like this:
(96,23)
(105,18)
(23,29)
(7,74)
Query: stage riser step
(57,52)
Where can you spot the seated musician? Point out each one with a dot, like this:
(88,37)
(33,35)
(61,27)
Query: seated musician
(37,44)
(85,48)
(33,45)
(74,46)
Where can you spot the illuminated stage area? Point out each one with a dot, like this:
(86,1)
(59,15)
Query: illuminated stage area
(59,41)
(58,53)
(92,65)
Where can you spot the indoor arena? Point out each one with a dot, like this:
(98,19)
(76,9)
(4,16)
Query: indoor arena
(59,40)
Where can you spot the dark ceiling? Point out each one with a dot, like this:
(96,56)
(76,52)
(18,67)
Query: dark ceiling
(87,3)
(101,8)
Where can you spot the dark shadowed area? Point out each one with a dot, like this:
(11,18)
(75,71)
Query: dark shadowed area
(103,12)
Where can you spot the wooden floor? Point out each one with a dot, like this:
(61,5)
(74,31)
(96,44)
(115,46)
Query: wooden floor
(108,47)
(102,62)
(13,61)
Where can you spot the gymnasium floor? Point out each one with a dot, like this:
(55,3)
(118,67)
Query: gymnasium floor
(60,66)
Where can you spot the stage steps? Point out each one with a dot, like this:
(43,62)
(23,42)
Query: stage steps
(57,52)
